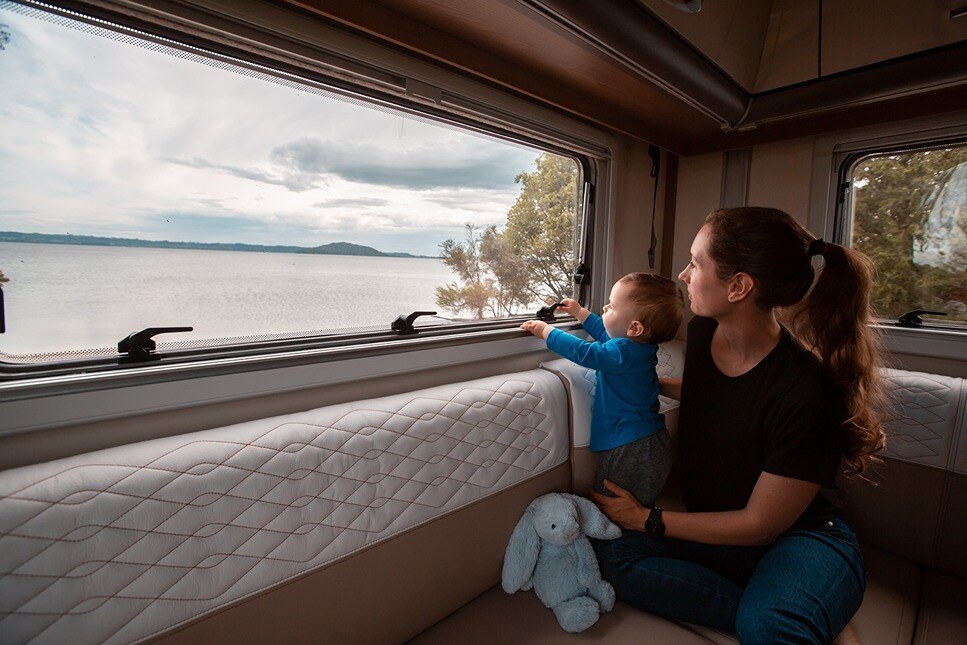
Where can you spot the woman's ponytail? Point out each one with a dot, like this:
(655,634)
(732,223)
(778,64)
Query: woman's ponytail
(834,320)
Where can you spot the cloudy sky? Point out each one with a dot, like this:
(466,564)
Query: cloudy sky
(107,138)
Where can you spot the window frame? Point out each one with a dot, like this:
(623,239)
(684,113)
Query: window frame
(842,223)
(350,66)
(907,345)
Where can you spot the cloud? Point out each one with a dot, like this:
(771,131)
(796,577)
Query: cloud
(351,202)
(421,168)
(297,183)
(112,149)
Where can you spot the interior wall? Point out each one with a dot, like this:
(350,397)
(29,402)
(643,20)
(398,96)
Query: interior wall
(780,176)
(699,192)
(633,192)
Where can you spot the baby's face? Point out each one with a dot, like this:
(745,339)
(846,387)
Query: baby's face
(618,315)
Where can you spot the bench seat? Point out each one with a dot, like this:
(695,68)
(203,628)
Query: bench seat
(888,615)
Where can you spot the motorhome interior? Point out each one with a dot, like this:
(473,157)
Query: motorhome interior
(183,462)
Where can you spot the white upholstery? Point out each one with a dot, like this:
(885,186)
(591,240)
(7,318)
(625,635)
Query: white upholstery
(125,543)
(927,426)
(581,380)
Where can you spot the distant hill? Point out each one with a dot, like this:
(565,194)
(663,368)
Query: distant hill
(336,248)
(348,248)
(342,248)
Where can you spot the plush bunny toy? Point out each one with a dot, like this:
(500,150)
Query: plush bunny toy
(549,552)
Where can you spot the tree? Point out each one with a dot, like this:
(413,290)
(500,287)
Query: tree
(531,260)
(3,279)
(4,36)
(540,226)
(465,260)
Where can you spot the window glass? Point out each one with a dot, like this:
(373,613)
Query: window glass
(143,185)
(908,212)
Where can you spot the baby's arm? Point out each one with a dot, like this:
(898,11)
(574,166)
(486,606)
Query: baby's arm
(597,356)
(604,357)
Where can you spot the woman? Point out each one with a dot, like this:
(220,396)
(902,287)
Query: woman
(769,416)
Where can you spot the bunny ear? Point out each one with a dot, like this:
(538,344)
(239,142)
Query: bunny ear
(594,523)
(521,555)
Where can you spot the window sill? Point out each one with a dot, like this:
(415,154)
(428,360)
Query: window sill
(53,401)
(929,342)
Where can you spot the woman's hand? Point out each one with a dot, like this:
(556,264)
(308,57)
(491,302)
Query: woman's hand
(670,387)
(622,509)
(537,327)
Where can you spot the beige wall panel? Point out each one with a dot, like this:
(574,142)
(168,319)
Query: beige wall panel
(862,32)
(780,176)
(871,508)
(791,51)
(729,32)
(633,192)
(699,192)
(950,556)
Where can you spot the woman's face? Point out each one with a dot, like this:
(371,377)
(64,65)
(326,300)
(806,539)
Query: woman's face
(707,293)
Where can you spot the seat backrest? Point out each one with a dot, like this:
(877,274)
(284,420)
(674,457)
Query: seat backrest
(130,542)
(914,502)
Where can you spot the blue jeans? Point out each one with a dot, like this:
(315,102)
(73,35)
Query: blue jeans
(802,588)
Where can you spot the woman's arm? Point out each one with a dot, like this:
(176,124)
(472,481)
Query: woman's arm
(774,506)
(670,387)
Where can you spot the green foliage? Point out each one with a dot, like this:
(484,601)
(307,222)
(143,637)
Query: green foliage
(911,206)
(530,260)
(465,260)
(540,225)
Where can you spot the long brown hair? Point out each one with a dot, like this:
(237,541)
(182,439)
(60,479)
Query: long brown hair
(830,315)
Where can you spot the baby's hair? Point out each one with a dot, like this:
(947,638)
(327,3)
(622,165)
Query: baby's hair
(659,305)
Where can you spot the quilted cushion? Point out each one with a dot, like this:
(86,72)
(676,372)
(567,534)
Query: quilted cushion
(927,422)
(125,543)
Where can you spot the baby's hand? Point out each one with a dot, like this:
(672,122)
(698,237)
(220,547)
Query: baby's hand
(571,307)
(536,327)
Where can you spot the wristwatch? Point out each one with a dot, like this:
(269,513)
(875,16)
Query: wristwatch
(654,527)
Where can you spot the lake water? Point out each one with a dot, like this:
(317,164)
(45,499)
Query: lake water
(64,297)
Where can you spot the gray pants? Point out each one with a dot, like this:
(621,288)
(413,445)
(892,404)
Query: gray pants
(640,467)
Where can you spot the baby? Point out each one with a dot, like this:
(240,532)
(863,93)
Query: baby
(629,435)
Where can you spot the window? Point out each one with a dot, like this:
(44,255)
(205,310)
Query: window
(157,185)
(907,210)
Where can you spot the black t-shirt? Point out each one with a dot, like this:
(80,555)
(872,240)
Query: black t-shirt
(783,417)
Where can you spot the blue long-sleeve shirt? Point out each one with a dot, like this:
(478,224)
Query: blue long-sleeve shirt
(626,393)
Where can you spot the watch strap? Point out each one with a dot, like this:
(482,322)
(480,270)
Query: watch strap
(654,525)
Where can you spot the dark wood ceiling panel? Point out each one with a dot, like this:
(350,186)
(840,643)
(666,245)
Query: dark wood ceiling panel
(509,45)
(600,68)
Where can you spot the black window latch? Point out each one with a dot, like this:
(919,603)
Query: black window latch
(404,326)
(547,313)
(139,346)
(913,319)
